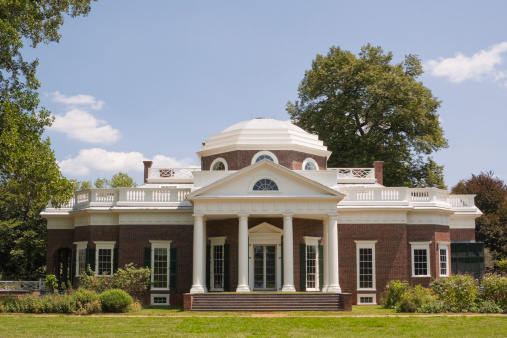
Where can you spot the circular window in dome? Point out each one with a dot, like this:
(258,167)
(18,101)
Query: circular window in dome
(219,164)
(310,164)
(264,155)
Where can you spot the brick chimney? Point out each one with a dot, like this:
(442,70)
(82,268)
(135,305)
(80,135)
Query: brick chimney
(147,166)
(379,171)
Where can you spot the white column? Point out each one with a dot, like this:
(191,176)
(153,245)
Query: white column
(325,237)
(334,284)
(204,242)
(288,255)
(243,254)
(198,278)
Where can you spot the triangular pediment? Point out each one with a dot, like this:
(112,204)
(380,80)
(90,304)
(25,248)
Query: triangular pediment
(289,185)
(265,228)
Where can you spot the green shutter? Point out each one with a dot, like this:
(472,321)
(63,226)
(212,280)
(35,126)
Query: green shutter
(115,260)
(281,248)
(90,258)
(302,267)
(227,267)
(208,262)
(173,269)
(321,266)
(73,266)
(147,262)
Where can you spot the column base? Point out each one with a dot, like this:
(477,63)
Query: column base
(243,288)
(198,289)
(334,288)
(325,288)
(288,288)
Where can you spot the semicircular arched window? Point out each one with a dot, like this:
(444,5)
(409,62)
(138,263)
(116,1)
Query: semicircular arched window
(265,184)
(264,157)
(219,166)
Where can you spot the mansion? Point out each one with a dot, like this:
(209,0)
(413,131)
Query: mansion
(263,213)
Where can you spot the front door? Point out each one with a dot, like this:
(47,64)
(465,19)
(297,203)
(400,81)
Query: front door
(264,267)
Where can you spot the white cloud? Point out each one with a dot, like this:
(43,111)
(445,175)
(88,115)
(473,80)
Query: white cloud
(80,125)
(110,162)
(481,65)
(80,99)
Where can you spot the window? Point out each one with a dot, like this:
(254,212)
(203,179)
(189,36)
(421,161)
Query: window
(219,164)
(159,299)
(367,299)
(264,155)
(365,256)
(80,258)
(443,251)
(217,264)
(104,258)
(312,263)
(160,261)
(265,184)
(310,164)
(420,259)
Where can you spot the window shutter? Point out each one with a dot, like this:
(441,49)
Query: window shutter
(227,267)
(90,258)
(208,268)
(173,269)
(321,266)
(147,262)
(302,266)
(73,266)
(115,260)
(281,248)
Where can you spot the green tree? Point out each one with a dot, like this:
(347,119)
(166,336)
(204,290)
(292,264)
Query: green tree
(29,174)
(119,180)
(491,199)
(367,109)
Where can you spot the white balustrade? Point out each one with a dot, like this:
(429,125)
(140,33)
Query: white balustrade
(20,286)
(354,172)
(462,201)
(172,172)
(82,196)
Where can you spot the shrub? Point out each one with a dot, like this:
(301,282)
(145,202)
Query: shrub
(115,300)
(495,289)
(458,292)
(87,301)
(51,283)
(436,306)
(413,298)
(394,291)
(488,306)
(502,265)
(10,304)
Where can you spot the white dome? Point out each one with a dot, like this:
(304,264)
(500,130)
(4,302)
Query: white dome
(264,134)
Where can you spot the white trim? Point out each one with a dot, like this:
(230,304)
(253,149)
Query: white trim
(310,160)
(103,245)
(160,245)
(82,245)
(219,159)
(421,246)
(373,295)
(216,241)
(443,246)
(366,245)
(264,152)
(313,241)
(152,299)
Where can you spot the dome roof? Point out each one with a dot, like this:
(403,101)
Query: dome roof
(264,134)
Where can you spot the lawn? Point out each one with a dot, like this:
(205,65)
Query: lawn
(174,322)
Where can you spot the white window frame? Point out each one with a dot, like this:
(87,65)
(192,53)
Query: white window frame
(220,159)
(421,246)
(312,241)
(310,160)
(264,152)
(216,241)
(373,295)
(366,245)
(254,182)
(152,299)
(80,246)
(443,246)
(103,245)
(160,245)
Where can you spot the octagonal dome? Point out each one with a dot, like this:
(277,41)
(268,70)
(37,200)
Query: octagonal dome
(264,134)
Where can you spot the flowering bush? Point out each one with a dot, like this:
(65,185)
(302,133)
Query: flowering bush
(458,292)
(495,289)
(394,291)
(414,298)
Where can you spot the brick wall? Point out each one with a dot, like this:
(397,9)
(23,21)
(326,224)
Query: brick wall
(57,239)
(462,235)
(240,159)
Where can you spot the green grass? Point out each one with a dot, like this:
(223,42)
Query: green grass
(69,326)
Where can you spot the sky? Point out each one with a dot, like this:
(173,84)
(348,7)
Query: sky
(152,80)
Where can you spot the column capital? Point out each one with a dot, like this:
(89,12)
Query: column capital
(288,215)
(198,215)
(332,216)
(243,215)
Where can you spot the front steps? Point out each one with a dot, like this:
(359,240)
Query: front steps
(261,301)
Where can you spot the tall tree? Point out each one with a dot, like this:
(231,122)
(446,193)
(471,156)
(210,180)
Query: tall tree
(367,109)
(29,174)
(491,199)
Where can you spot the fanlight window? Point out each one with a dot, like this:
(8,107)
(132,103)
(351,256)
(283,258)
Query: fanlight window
(265,184)
(264,157)
(310,166)
(219,166)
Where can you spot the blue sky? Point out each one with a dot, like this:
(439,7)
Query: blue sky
(154,79)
